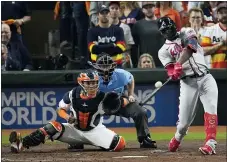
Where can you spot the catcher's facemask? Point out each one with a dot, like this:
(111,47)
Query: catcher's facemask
(105,67)
(112,103)
(89,81)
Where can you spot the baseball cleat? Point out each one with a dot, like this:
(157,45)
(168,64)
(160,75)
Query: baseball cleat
(75,147)
(148,143)
(173,145)
(15,140)
(208,148)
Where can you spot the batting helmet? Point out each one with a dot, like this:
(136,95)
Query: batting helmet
(168,28)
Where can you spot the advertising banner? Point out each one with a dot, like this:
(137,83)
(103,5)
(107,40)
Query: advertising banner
(24,108)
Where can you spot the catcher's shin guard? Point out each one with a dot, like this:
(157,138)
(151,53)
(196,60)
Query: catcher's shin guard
(38,136)
(118,143)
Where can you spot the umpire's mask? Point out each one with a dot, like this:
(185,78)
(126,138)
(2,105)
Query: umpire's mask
(105,67)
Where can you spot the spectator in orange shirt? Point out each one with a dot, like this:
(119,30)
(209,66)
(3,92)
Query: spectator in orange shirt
(165,9)
(182,9)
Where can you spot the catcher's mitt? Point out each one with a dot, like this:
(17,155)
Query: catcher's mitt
(111,103)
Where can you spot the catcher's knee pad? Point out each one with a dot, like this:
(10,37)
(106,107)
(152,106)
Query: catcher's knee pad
(52,128)
(118,143)
(38,136)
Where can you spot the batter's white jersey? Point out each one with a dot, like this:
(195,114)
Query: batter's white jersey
(171,51)
(203,86)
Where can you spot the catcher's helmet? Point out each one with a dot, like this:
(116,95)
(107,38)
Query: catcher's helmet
(168,28)
(105,66)
(89,81)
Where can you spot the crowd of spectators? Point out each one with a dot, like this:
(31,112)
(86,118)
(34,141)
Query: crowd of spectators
(126,30)
(15,55)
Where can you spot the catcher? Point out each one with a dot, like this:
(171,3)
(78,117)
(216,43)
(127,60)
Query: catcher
(114,79)
(84,125)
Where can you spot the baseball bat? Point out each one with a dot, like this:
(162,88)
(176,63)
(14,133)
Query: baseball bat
(147,98)
(90,63)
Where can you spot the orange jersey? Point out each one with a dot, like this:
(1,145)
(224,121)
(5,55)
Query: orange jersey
(212,36)
(173,14)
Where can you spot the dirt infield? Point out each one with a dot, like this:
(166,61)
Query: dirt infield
(58,152)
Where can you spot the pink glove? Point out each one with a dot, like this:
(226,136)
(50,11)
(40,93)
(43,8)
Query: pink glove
(170,69)
(177,71)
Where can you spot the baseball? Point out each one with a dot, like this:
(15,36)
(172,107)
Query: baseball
(158,84)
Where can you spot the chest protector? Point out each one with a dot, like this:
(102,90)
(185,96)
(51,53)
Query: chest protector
(87,111)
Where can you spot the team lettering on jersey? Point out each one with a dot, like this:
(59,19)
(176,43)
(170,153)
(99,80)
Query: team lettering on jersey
(216,39)
(175,50)
(106,39)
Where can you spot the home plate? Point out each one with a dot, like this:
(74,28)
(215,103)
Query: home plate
(125,157)
(158,151)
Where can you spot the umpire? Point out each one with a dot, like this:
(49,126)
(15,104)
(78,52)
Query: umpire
(114,79)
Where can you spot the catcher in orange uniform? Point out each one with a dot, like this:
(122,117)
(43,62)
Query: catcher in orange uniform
(84,125)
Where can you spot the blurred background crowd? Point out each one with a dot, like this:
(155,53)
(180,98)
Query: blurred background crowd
(126,30)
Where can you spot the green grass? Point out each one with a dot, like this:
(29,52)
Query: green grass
(168,136)
(155,136)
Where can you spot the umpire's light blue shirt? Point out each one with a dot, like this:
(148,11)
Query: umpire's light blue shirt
(119,80)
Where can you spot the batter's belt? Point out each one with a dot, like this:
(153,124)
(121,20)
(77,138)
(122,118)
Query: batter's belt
(195,75)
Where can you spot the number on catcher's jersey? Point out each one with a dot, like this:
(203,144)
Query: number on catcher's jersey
(83,119)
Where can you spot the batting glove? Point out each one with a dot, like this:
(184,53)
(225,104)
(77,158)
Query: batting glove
(170,69)
(177,71)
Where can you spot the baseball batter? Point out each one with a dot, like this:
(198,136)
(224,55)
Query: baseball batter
(183,59)
(84,125)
